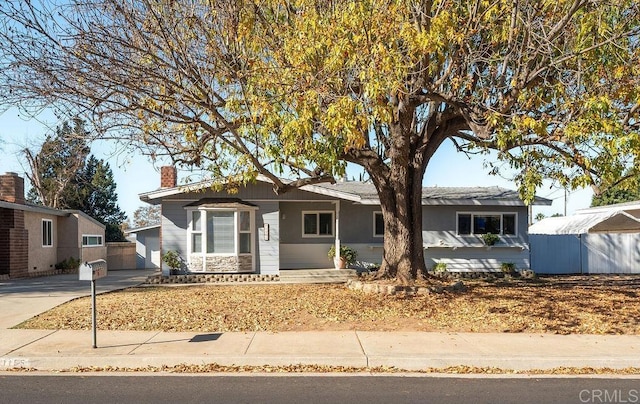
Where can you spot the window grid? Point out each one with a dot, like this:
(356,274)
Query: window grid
(220,232)
(318,223)
(478,223)
(90,240)
(47,233)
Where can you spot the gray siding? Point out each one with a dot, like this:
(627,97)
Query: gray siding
(291,222)
(286,248)
(468,253)
(268,251)
(485,259)
(173,235)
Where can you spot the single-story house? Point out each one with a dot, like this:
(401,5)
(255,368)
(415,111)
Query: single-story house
(605,239)
(257,231)
(147,239)
(33,239)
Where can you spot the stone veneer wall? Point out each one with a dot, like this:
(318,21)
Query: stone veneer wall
(222,264)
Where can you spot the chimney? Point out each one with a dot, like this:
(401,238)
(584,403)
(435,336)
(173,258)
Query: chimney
(12,188)
(168,177)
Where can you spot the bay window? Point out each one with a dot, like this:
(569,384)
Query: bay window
(222,232)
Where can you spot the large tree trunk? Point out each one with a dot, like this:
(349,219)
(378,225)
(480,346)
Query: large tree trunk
(401,203)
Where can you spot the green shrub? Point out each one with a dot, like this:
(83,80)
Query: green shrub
(172,259)
(69,263)
(440,267)
(490,238)
(348,253)
(508,267)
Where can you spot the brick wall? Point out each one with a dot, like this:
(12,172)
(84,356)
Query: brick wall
(14,244)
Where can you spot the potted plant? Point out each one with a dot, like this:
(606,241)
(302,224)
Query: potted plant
(347,256)
(172,259)
(490,238)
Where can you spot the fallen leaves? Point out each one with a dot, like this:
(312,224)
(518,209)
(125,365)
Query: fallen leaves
(553,305)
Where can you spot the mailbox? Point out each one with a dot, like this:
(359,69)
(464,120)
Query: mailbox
(90,271)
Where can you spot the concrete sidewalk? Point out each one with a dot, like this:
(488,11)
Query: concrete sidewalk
(54,350)
(62,349)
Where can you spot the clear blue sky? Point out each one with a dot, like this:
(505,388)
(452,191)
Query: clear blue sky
(135,174)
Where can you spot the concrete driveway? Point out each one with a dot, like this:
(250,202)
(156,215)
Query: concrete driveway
(21,299)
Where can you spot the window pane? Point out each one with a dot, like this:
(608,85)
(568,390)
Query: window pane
(245,222)
(483,224)
(509,224)
(464,224)
(196,222)
(326,224)
(310,223)
(245,243)
(220,232)
(379,224)
(196,242)
(47,237)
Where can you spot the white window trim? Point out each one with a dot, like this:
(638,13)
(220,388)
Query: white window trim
(93,245)
(50,233)
(317,213)
(236,228)
(487,213)
(377,212)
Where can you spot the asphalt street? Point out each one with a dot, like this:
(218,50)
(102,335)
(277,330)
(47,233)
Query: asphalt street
(136,388)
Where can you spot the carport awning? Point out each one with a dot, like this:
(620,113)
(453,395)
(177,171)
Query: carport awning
(603,222)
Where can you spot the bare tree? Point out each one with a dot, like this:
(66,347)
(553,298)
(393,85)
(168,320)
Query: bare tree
(56,164)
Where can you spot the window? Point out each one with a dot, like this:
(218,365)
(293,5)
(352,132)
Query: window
(47,233)
(317,224)
(378,224)
(226,232)
(91,241)
(220,233)
(244,232)
(483,223)
(196,231)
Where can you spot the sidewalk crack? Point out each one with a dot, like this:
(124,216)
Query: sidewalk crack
(366,357)
(250,342)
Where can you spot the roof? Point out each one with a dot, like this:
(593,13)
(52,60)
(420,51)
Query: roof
(34,208)
(365,193)
(28,207)
(625,206)
(221,203)
(142,228)
(599,222)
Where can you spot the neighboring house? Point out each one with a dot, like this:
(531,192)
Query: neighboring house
(255,230)
(605,239)
(147,241)
(33,239)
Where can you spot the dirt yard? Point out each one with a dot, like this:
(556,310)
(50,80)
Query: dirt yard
(590,305)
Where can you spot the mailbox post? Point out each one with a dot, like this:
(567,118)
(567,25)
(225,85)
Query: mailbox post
(90,271)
